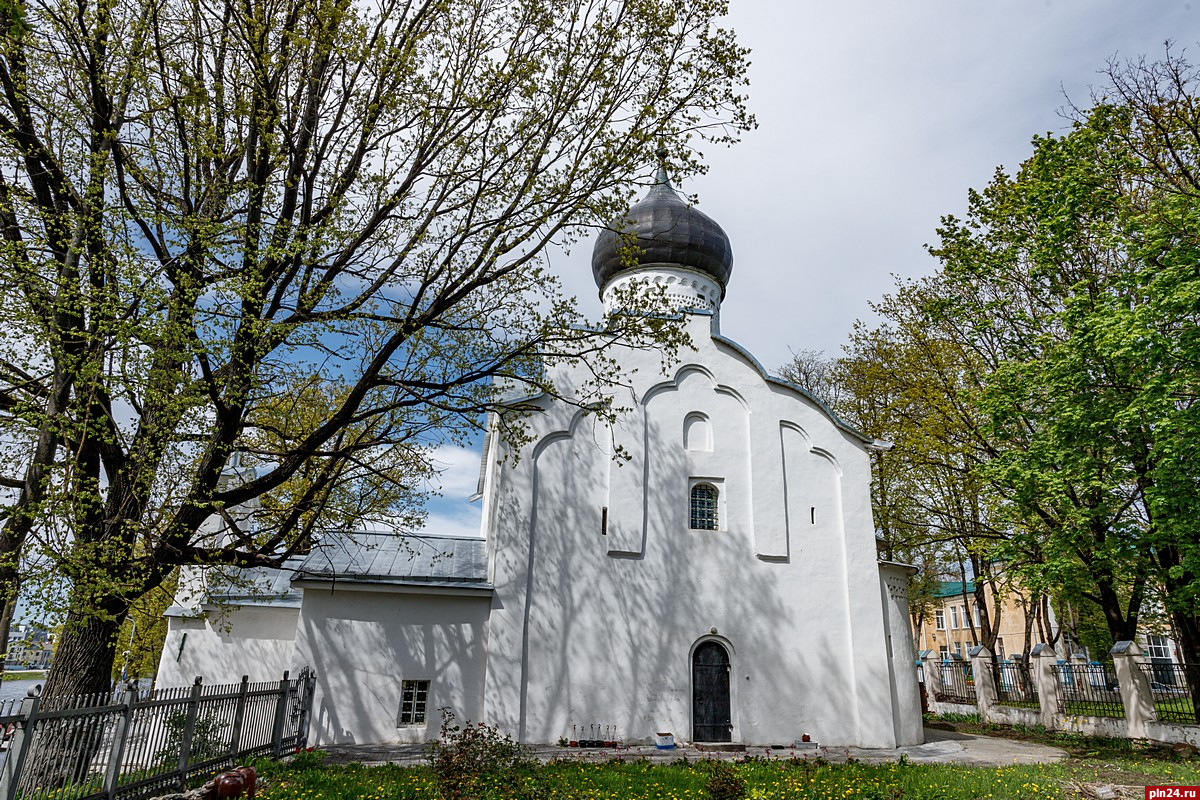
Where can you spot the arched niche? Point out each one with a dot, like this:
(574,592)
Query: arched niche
(697,433)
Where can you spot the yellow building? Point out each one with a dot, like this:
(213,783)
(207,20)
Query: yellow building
(953,625)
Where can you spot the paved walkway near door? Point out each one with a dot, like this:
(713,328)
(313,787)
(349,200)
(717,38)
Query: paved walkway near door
(941,747)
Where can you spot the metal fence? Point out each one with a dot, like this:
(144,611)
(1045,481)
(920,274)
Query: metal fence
(1172,686)
(1089,690)
(957,684)
(1016,686)
(135,744)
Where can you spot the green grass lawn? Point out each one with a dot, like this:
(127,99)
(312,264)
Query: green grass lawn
(1177,709)
(764,780)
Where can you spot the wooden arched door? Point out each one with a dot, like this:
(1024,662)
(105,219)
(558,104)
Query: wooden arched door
(712,718)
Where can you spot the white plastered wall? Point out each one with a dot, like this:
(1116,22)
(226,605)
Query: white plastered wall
(227,643)
(364,642)
(595,625)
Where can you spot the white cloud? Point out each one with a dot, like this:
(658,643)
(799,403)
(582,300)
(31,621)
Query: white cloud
(451,514)
(458,469)
(453,519)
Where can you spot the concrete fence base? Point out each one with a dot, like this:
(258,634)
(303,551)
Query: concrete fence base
(1132,693)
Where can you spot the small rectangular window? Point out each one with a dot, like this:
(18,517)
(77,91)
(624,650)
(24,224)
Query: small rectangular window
(413,696)
(939,617)
(975,608)
(702,509)
(954,617)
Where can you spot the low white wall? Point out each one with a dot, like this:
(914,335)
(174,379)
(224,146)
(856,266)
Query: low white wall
(1012,715)
(938,707)
(227,644)
(363,644)
(1092,726)
(1173,732)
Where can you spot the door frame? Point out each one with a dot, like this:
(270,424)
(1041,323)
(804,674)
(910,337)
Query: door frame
(735,734)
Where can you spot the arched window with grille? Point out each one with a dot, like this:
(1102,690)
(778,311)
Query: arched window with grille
(703,508)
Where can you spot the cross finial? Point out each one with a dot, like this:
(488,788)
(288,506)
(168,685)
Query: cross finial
(661,178)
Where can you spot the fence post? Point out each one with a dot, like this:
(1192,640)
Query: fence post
(931,666)
(281,704)
(308,681)
(189,728)
(985,681)
(1134,687)
(120,734)
(1045,676)
(239,714)
(18,747)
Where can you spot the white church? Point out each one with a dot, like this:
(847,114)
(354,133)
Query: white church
(721,584)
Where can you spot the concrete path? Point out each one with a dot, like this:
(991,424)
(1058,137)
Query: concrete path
(941,747)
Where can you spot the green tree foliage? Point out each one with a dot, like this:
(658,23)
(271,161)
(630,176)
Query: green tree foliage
(292,243)
(1049,369)
(140,639)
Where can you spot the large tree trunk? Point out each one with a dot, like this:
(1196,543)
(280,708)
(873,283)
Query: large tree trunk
(1187,627)
(1122,619)
(1032,608)
(64,751)
(83,660)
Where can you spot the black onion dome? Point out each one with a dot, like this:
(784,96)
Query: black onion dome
(668,231)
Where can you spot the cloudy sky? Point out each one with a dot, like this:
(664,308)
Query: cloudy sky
(875,117)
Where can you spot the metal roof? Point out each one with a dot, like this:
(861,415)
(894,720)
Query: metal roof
(261,583)
(953,588)
(233,586)
(389,558)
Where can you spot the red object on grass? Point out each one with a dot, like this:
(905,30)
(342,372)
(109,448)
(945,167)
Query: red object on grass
(229,784)
(250,779)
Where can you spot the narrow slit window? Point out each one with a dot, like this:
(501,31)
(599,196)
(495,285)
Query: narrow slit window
(703,510)
(413,698)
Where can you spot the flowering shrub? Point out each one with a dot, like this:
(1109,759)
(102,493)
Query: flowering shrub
(472,761)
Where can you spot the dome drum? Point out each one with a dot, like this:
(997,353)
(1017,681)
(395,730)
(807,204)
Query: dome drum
(683,288)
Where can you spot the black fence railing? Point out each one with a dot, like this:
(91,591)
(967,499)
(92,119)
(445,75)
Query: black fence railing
(1016,686)
(1089,690)
(137,744)
(1172,687)
(957,683)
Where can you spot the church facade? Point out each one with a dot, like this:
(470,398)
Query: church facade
(719,580)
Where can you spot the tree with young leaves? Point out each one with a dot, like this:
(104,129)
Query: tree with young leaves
(294,241)
(928,489)
(1068,298)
